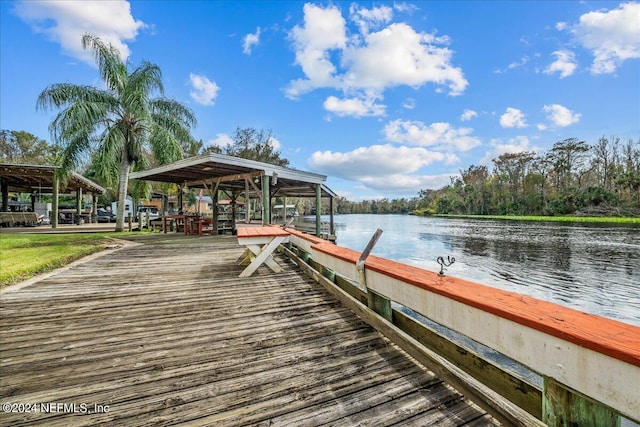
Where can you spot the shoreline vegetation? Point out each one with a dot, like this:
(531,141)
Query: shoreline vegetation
(537,218)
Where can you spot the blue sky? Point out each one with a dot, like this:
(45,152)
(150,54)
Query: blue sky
(385,98)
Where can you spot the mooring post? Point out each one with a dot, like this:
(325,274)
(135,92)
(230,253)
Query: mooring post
(375,301)
(562,407)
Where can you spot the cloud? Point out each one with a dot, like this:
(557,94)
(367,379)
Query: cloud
(565,63)
(612,36)
(249,41)
(407,184)
(323,31)
(367,18)
(439,135)
(409,103)
(513,118)
(353,107)
(468,115)
(364,65)
(513,145)
(204,91)
(561,116)
(523,61)
(65,22)
(383,167)
(275,143)
(221,140)
(376,160)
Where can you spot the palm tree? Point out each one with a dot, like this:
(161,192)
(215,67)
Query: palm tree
(122,123)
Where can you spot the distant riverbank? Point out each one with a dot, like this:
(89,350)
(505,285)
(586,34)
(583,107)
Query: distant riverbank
(540,218)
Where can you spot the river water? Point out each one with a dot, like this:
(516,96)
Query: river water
(590,267)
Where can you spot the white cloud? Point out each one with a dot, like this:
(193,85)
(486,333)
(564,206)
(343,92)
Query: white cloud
(376,160)
(275,143)
(523,61)
(513,145)
(353,107)
(384,167)
(560,26)
(407,184)
(398,55)
(612,36)
(440,135)
(204,91)
(324,30)
(368,18)
(565,63)
(363,66)
(249,41)
(65,22)
(561,116)
(409,103)
(513,118)
(221,140)
(468,115)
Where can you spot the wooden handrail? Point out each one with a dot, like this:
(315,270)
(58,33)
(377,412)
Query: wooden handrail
(613,338)
(574,351)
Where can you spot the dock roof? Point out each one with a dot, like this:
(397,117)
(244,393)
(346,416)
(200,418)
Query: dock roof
(231,172)
(29,178)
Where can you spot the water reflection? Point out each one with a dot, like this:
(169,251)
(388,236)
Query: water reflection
(593,268)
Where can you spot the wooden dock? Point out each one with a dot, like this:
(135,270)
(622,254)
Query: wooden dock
(166,333)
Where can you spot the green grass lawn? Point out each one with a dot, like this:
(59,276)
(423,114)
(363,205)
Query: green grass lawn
(26,255)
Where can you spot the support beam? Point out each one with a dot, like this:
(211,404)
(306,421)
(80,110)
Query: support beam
(54,202)
(318,210)
(5,195)
(266,200)
(247,203)
(332,230)
(236,177)
(94,208)
(562,406)
(79,206)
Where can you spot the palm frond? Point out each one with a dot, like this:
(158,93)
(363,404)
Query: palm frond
(171,108)
(164,146)
(63,94)
(108,151)
(110,65)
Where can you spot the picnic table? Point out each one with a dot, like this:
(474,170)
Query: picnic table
(260,243)
(183,222)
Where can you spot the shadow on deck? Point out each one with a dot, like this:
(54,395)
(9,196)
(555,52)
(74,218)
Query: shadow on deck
(166,333)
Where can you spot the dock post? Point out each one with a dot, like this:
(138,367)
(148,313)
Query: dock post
(562,406)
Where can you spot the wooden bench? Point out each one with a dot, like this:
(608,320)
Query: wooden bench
(24,218)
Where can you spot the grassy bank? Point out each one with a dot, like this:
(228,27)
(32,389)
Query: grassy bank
(26,255)
(586,219)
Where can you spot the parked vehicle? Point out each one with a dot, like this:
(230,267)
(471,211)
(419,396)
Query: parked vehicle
(103,215)
(151,210)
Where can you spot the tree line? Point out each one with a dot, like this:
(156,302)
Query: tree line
(572,177)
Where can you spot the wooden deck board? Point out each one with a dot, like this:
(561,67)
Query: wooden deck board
(166,333)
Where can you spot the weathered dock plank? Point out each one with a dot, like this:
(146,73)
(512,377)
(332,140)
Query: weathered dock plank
(166,333)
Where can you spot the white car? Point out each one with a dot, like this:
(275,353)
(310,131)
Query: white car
(151,210)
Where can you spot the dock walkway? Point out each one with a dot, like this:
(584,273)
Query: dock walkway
(166,333)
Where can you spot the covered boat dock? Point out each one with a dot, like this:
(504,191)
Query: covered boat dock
(249,179)
(37,180)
